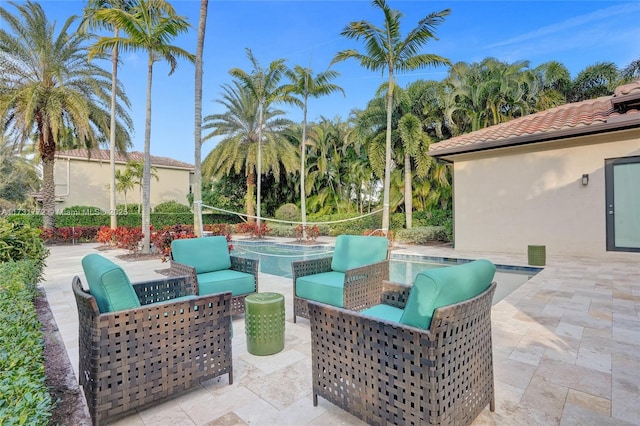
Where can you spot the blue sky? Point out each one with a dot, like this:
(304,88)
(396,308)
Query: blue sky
(307,33)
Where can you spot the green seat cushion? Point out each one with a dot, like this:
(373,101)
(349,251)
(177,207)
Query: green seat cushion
(108,284)
(207,254)
(444,286)
(353,251)
(326,287)
(384,312)
(227,280)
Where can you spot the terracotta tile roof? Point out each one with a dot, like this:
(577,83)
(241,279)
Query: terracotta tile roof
(103,155)
(590,116)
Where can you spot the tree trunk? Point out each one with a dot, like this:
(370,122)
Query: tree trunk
(408,195)
(251,184)
(197,133)
(47,149)
(303,147)
(146,168)
(112,138)
(387,160)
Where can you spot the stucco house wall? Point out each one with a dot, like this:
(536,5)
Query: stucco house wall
(85,181)
(510,198)
(519,183)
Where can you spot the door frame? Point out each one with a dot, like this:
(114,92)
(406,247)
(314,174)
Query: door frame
(610,201)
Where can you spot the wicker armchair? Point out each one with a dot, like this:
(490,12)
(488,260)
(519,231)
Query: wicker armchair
(207,261)
(132,358)
(385,372)
(351,278)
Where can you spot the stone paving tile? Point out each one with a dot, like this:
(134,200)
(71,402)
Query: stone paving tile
(566,349)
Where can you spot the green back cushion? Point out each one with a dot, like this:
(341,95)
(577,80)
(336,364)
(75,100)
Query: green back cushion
(353,251)
(444,286)
(207,254)
(108,284)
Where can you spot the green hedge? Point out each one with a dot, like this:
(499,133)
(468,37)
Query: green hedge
(422,234)
(24,396)
(158,220)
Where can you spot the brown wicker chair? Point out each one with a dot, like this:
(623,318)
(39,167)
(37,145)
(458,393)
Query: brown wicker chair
(132,358)
(194,257)
(362,283)
(385,372)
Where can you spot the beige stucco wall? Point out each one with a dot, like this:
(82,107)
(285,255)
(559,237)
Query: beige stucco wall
(82,182)
(507,199)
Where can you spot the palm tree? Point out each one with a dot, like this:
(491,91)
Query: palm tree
(304,84)
(18,175)
(385,50)
(264,86)
(91,22)
(125,182)
(197,132)
(48,88)
(150,26)
(239,127)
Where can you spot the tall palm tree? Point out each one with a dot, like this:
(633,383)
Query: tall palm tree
(305,84)
(150,26)
(49,87)
(197,132)
(89,21)
(264,85)
(387,51)
(239,127)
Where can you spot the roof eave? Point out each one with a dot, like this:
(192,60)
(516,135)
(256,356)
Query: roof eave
(593,129)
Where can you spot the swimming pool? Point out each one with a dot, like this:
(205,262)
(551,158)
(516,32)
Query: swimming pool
(276,258)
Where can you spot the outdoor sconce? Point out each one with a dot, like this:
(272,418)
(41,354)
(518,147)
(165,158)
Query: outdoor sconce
(585,179)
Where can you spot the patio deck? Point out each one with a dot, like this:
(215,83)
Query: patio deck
(566,349)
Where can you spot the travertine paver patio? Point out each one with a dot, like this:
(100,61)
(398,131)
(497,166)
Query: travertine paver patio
(566,349)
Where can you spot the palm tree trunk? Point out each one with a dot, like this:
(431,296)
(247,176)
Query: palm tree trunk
(197,133)
(146,168)
(408,196)
(112,137)
(387,160)
(259,162)
(251,184)
(48,193)
(303,147)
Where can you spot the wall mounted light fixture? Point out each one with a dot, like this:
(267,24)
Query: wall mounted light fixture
(585,179)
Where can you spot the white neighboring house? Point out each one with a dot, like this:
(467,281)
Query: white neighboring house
(82,178)
(567,178)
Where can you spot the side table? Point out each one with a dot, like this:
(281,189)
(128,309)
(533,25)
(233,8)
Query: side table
(264,323)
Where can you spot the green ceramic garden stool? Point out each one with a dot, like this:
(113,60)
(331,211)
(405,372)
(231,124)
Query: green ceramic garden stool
(264,323)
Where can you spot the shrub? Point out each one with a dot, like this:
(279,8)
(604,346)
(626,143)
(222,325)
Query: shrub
(69,234)
(19,242)
(289,212)
(422,235)
(282,230)
(24,395)
(311,231)
(162,239)
(171,207)
(127,237)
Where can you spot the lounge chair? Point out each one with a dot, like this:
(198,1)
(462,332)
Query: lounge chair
(208,262)
(145,342)
(421,355)
(351,278)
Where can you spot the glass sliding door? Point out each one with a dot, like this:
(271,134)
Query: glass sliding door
(623,203)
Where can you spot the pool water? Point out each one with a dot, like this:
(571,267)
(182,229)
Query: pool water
(276,258)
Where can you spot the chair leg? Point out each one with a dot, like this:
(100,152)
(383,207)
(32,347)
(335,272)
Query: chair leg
(315,399)
(492,403)
(230,377)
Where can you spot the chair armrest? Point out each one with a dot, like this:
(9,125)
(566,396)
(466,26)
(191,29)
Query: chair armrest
(178,269)
(363,285)
(164,289)
(395,294)
(302,268)
(247,265)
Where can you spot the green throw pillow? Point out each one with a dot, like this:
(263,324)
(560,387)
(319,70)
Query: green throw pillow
(353,251)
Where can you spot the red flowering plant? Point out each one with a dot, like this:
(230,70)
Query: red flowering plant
(128,237)
(162,239)
(312,232)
